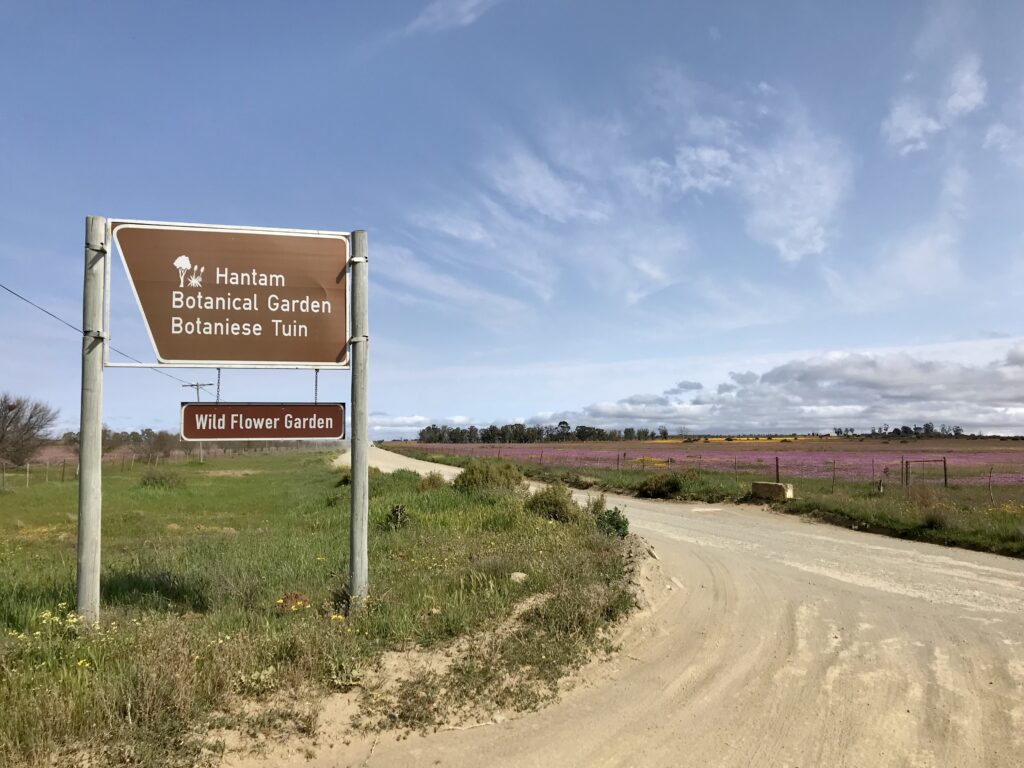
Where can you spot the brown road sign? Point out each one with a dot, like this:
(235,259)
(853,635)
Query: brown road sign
(262,421)
(237,296)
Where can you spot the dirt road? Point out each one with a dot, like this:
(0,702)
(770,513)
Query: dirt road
(773,641)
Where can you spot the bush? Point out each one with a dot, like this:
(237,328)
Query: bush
(555,503)
(396,518)
(613,523)
(660,487)
(609,521)
(164,481)
(486,476)
(432,481)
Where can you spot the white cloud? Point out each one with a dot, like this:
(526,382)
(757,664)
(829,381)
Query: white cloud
(908,126)
(440,15)
(794,189)
(1007,141)
(792,177)
(855,389)
(531,183)
(967,87)
(409,276)
(913,120)
(703,168)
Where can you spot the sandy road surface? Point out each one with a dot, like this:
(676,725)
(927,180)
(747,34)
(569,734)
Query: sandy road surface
(773,641)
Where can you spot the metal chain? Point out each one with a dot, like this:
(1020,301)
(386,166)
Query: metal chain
(218,385)
(316,385)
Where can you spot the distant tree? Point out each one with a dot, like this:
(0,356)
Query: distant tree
(564,430)
(663,432)
(24,427)
(629,433)
(929,429)
(585,433)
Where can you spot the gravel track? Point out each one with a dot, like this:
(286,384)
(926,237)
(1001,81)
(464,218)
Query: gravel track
(769,640)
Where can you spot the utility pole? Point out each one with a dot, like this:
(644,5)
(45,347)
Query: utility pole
(90,494)
(198,386)
(358,571)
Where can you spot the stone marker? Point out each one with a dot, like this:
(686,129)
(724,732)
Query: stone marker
(518,577)
(772,491)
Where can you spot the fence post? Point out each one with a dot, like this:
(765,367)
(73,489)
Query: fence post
(908,473)
(833,475)
(4,464)
(990,497)
(63,467)
(903,470)
(945,473)
(776,469)
(28,470)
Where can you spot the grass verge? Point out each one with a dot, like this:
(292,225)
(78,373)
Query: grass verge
(960,516)
(223,586)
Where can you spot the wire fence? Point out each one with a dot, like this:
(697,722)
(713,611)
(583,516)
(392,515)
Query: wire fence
(998,474)
(62,470)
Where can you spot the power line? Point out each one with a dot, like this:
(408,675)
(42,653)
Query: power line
(79,330)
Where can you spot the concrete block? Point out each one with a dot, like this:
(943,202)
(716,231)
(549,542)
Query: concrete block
(772,491)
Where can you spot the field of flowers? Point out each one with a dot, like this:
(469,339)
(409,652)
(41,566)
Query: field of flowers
(958,462)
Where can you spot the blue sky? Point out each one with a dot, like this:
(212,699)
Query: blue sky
(711,216)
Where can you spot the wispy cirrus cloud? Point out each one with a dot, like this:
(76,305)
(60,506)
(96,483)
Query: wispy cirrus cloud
(412,279)
(914,121)
(441,15)
(759,146)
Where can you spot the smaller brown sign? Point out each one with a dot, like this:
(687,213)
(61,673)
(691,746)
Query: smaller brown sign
(262,421)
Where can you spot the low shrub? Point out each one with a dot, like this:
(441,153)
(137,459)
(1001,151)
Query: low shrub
(610,522)
(660,486)
(486,476)
(161,480)
(555,502)
(396,518)
(432,481)
(613,523)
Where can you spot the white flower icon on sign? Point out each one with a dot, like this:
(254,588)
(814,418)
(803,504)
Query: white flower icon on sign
(188,273)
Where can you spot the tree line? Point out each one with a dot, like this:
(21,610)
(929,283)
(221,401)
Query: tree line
(522,433)
(26,425)
(928,429)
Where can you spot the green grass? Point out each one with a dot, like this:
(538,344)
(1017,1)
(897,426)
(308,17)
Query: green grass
(224,582)
(961,515)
